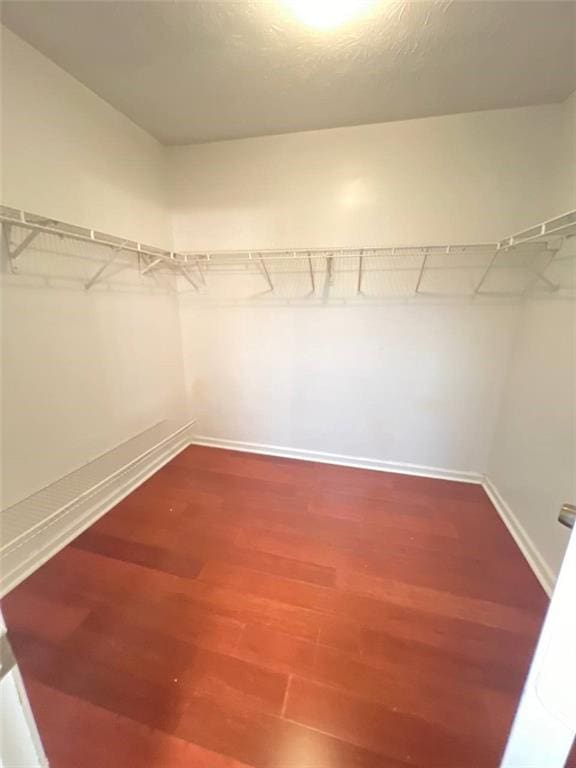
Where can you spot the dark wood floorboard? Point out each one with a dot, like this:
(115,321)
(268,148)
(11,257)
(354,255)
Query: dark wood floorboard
(242,611)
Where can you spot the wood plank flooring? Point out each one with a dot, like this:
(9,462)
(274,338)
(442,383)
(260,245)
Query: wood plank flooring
(241,610)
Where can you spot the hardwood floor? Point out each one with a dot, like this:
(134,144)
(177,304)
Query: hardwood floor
(241,610)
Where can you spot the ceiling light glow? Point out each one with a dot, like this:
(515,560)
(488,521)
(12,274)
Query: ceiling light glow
(327,14)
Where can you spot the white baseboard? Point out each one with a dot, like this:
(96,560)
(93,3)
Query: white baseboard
(339,459)
(527,546)
(125,469)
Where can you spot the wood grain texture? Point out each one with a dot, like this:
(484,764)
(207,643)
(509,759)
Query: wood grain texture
(247,611)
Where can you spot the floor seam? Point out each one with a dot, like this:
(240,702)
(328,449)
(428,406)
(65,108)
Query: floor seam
(285,702)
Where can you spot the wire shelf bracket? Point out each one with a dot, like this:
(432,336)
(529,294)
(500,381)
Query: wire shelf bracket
(116,251)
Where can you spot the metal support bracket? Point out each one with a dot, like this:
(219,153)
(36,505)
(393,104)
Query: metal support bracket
(266,274)
(329,280)
(541,277)
(311,273)
(186,276)
(174,265)
(151,265)
(421,272)
(200,273)
(359,291)
(94,279)
(13,253)
(487,270)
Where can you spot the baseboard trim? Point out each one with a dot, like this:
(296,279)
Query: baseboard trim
(526,545)
(378,465)
(34,547)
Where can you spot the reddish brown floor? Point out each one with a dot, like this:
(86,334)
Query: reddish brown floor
(241,610)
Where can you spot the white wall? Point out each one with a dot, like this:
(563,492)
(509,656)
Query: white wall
(533,460)
(413,384)
(462,178)
(408,383)
(69,155)
(82,371)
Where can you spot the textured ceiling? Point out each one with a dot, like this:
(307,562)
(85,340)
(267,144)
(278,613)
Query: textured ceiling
(204,71)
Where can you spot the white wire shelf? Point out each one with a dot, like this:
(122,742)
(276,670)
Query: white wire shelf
(36,527)
(526,261)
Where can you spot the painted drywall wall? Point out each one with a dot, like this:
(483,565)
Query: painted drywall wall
(82,373)
(409,383)
(461,178)
(413,384)
(82,370)
(533,460)
(69,155)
